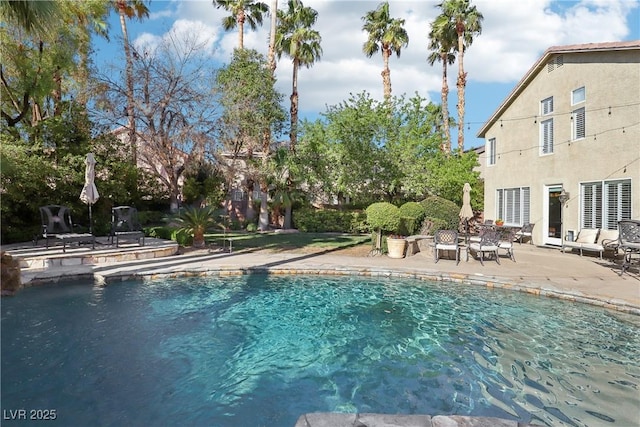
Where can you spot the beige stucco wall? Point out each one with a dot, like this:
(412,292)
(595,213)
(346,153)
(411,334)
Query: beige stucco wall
(610,150)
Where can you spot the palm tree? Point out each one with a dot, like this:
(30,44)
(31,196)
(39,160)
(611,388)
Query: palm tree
(468,23)
(130,9)
(242,11)
(35,17)
(442,40)
(297,40)
(386,34)
(271,56)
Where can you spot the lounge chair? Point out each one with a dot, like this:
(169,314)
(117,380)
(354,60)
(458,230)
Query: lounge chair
(57,224)
(446,240)
(125,225)
(489,243)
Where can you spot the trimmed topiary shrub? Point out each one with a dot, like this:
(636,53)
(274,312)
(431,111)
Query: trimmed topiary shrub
(438,208)
(383,216)
(411,217)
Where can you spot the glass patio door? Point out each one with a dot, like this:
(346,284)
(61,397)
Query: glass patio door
(553,217)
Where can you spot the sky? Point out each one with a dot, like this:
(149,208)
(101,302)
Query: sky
(515,34)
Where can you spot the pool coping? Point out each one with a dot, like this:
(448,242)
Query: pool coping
(383,272)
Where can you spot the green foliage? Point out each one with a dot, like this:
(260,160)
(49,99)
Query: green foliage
(159,232)
(383,216)
(329,220)
(193,220)
(411,216)
(150,217)
(438,208)
(203,182)
(252,227)
(182,236)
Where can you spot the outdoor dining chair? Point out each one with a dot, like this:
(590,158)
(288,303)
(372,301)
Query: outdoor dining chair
(629,238)
(489,243)
(446,240)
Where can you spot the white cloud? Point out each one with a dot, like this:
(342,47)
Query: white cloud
(515,34)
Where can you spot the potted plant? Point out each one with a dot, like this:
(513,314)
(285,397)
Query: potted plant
(499,222)
(385,217)
(195,222)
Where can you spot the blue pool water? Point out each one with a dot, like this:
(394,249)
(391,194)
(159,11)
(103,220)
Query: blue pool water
(262,350)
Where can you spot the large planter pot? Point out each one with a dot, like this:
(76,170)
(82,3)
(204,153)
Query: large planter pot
(396,247)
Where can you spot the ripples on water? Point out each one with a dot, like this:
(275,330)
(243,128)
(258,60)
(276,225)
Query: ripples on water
(260,350)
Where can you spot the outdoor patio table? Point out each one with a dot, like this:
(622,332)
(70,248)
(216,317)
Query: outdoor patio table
(76,237)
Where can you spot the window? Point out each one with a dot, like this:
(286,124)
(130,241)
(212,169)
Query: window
(546,126)
(546,106)
(513,205)
(577,124)
(578,96)
(604,203)
(491,152)
(546,136)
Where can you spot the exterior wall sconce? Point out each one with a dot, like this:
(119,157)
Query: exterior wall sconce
(564,197)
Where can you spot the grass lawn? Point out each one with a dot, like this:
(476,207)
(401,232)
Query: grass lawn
(298,242)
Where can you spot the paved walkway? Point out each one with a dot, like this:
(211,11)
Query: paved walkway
(541,271)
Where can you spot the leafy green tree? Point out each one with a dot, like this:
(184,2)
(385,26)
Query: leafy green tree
(242,12)
(467,21)
(296,39)
(251,119)
(386,34)
(51,171)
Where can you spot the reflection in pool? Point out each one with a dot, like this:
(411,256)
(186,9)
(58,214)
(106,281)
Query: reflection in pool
(262,350)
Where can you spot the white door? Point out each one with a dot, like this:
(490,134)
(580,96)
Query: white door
(552,232)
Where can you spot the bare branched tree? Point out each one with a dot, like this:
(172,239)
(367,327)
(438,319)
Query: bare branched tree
(174,107)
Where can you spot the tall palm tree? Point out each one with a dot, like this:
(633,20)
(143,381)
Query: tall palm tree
(298,41)
(442,41)
(242,11)
(468,23)
(386,34)
(130,9)
(271,56)
(35,17)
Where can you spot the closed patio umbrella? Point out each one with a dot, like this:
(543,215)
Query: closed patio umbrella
(466,212)
(89,194)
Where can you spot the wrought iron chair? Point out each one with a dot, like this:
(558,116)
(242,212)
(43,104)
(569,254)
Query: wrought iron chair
(125,225)
(525,231)
(446,240)
(507,235)
(629,238)
(489,242)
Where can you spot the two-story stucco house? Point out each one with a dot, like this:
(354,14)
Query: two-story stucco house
(568,132)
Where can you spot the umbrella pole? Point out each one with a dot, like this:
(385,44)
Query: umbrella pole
(467,233)
(90,220)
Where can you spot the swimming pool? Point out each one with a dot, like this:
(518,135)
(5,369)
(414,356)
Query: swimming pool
(262,350)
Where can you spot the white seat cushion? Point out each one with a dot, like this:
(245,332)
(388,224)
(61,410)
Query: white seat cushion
(587,235)
(607,235)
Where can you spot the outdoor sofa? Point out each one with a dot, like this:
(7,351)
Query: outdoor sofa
(593,240)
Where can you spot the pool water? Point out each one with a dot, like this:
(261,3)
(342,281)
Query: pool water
(261,350)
